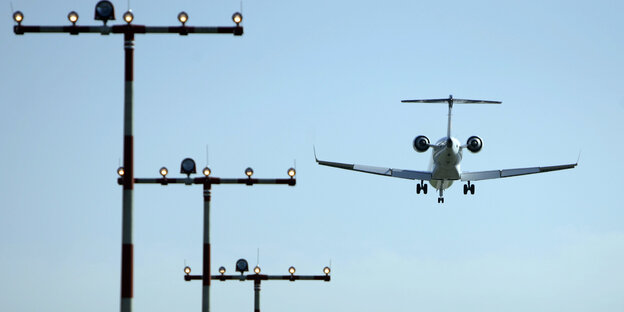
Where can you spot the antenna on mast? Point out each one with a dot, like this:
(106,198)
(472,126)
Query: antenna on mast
(207,155)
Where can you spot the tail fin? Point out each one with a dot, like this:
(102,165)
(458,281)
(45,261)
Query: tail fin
(450,100)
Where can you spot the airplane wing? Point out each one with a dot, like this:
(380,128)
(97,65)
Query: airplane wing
(391,172)
(497,174)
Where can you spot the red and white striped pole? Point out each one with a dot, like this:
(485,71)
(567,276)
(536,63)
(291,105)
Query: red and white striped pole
(127,252)
(206,261)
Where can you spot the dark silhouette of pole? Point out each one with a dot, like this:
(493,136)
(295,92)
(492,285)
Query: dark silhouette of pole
(256,295)
(207,183)
(206,257)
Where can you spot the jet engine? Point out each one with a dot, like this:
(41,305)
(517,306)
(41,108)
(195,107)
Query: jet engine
(421,143)
(474,144)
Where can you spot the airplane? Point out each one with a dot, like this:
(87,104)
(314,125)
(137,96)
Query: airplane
(446,155)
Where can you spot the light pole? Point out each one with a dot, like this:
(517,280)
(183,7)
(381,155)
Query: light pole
(257,278)
(188,167)
(105,11)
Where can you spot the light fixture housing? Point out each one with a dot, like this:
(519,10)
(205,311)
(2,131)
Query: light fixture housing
(237,18)
(187,270)
(242,266)
(128,16)
(18,17)
(188,166)
(104,11)
(291,270)
(163,171)
(121,171)
(222,270)
(206,171)
(292,172)
(257,270)
(72,17)
(249,172)
(183,17)
(326,270)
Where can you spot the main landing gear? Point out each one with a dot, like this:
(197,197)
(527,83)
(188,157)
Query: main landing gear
(421,187)
(469,187)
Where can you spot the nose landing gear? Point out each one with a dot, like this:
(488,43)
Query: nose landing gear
(421,187)
(441,198)
(469,187)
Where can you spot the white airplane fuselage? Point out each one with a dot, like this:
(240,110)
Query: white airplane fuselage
(446,156)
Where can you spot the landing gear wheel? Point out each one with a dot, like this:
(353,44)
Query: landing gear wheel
(472,189)
(465,189)
(418,188)
(440,200)
(424,188)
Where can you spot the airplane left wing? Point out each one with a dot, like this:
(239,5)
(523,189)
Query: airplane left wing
(497,174)
(391,172)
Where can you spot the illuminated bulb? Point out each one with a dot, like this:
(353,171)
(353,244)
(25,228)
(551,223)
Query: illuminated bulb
(291,270)
(164,171)
(291,172)
(222,270)
(326,270)
(121,171)
(249,172)
(257,270)
(72,17)
(183,17)
(237,18)
(187,270)
(18,16)
(128,16)
(206,171)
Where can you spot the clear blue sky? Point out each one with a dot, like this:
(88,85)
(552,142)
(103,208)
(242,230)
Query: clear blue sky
(329,74)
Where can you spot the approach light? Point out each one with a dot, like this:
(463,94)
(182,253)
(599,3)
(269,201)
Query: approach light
(222,270)
(242,266)
(291,270)
(18,16)
(72,17)
(187,270)
(326,270)
(128,16)
(121,171)
(183,17)
(164,171)
(237,18)
(292,172)
(257,270)
(187,166)
(206,171)
(249,172)
(104,11)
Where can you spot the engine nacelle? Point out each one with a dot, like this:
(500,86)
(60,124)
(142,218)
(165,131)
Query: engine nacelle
(421,143)
(474,144)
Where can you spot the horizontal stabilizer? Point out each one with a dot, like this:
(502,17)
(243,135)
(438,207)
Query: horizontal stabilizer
(455,101)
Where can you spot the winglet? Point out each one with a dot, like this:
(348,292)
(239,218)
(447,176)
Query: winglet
(579,157)
(314,148)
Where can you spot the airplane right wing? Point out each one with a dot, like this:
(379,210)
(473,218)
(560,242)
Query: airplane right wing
(497,174)
(391,172)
